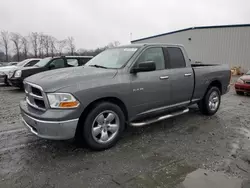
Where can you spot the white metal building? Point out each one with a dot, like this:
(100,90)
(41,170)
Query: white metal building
(226,44)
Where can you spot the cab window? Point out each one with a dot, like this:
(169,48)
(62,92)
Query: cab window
(57,63)
(155,55)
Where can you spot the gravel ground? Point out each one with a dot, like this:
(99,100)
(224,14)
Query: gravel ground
(159,155)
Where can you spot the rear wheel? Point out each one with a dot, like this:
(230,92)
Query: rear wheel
(210,103)
(103,126)
(240,92)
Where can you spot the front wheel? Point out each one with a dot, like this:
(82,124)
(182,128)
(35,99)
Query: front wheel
(103,126)
(210,103)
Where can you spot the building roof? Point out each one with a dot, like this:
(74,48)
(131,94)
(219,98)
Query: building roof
(149,44)
(193,28)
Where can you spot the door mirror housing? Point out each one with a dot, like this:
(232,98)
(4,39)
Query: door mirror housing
(144,67)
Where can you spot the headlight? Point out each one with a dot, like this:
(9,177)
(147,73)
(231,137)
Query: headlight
(18,74)
(240,81)
(62,100)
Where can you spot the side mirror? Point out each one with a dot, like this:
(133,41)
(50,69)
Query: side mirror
(144,67)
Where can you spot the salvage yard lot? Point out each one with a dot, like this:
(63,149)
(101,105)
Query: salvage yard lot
(160,154)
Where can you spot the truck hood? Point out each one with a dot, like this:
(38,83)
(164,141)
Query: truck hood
(7,68)
(54,80)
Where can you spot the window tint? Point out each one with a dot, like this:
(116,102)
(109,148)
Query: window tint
(57,63)
(153,54)
(176,58)
(72,62)
(31,63)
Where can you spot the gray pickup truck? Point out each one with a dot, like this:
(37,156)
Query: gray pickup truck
(131,85)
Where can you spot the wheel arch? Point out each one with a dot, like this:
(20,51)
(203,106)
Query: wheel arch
(92,105)
(213,83)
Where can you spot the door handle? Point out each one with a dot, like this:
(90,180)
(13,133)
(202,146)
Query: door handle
(164,77)
(188,74)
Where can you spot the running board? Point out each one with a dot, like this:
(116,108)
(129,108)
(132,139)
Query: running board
(139,124)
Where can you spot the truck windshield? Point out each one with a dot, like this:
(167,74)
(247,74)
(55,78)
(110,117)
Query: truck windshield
(43,62)
(112,58)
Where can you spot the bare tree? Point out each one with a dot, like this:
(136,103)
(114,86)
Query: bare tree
(113,44)
(40,44)
(5,40)
(16,38)
(25,46)
(34,42)
(71,45)
(61,45)
(52,45)
(46,44)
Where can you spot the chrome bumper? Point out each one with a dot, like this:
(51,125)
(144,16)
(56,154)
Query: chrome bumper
(54,130)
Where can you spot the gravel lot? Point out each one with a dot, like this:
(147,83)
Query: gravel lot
(159,155)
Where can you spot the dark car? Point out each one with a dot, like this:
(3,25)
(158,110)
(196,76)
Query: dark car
(243,84)
(16,77)
(8,70)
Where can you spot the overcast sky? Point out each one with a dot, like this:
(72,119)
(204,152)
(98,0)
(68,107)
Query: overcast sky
(94,23)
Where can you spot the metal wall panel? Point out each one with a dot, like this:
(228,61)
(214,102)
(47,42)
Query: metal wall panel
(213,45)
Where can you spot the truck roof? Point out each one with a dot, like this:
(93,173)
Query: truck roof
(151,44)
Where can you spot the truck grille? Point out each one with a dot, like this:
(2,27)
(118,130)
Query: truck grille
(35,96)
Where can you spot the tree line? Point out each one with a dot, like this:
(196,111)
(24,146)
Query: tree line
(16,47)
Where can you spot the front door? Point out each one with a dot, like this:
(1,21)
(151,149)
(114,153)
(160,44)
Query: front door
(150,90)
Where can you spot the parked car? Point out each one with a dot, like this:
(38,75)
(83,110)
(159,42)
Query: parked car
(8,70)
(16,77)
(131,85)
(12,63)
(2,64)
(243,84)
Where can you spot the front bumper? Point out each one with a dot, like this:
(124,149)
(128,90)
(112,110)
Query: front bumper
(17,82)
(54,130)
(242,87)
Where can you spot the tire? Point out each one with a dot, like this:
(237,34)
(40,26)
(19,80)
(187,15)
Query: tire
(6,82)
(98,119)
(210,103)
(239,92)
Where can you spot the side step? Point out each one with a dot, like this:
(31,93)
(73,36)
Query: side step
(139,124)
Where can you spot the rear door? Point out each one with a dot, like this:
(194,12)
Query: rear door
(150,90)
(181,76)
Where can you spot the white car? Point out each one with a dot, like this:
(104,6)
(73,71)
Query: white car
(7,70)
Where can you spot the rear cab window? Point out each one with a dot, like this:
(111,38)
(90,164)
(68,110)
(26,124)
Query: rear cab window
(175,58)
(57,63)
(72,62)
(83,61)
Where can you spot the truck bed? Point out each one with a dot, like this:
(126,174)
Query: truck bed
(207,73)
(203,65)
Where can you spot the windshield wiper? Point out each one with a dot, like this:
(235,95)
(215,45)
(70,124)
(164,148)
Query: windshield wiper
(98,66)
